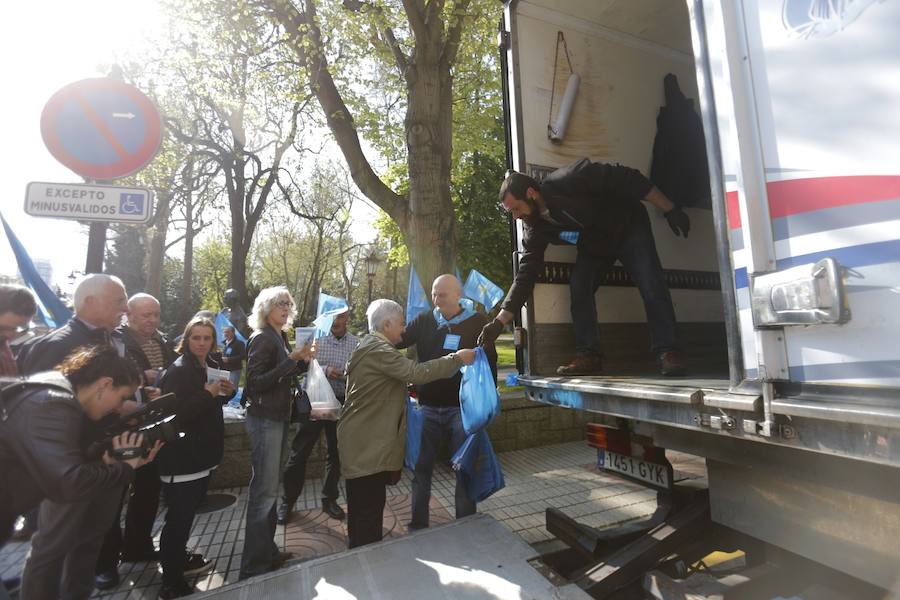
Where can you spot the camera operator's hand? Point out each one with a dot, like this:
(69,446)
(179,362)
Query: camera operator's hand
(306,353)
(128,407)
(128,441)
(151,392)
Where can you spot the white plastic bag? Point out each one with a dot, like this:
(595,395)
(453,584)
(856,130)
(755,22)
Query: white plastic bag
(322,401)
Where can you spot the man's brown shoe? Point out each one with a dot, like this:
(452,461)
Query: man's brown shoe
(582,365)
(671,363)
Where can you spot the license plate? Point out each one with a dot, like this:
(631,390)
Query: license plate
(652,473)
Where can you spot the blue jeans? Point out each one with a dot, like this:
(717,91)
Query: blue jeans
(235,377)
(268,452)
(441,424)
(637,252)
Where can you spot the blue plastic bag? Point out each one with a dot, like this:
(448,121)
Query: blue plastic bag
(479,466)
(415,419)
(478,398)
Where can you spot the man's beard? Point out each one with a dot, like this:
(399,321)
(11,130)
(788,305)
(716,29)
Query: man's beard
(534,217)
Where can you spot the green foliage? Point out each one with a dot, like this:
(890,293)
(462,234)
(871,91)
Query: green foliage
(212,264)
(125,257)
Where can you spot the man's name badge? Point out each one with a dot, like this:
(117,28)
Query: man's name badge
(451,342)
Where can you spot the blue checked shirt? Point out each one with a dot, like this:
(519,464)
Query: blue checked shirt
(333,352)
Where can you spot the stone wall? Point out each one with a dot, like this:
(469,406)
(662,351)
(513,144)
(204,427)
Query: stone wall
(521,424)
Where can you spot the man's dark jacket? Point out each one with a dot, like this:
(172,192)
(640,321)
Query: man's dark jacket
(234,360)
(45,353)
(135,353)
(42,454)
(268,392)
(428,338)
(199,418)
(601,202)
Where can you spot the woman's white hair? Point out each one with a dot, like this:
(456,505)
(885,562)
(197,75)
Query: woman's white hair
(383,310)
(265,302)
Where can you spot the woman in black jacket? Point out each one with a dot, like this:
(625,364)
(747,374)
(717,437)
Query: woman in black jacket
(185,464)
(271,368)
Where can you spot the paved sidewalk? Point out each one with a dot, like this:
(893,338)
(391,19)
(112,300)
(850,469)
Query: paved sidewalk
(563,476)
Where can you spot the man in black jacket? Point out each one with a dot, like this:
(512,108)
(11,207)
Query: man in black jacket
(70,535)
(146,347)
(596,207)
(448,328)
(234,351)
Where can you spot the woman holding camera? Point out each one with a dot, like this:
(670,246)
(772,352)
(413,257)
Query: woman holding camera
(42,449)
(185,464)
(271,369)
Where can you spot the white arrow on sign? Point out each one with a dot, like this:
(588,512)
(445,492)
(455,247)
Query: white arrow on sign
(123,115)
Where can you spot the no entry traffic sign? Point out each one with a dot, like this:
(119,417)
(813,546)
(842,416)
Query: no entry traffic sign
(101,128)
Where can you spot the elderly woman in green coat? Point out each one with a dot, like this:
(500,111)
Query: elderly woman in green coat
(372,429)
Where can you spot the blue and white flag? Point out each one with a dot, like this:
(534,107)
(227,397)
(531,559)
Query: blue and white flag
(416,299)
(329,307)
(221,323)
(481,289)
(52,310)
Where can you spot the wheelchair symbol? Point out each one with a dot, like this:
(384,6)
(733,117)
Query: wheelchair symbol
(131,204)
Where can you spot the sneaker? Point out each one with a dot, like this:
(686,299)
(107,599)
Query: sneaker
(333,510)
(284,512)
(196,564)
(178,590)
(582,365)
(671,363)
(106,580)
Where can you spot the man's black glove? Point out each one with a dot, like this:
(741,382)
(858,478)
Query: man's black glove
(491,332)
(678,221)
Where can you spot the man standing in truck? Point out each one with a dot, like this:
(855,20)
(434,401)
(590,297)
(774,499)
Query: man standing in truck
(596,207)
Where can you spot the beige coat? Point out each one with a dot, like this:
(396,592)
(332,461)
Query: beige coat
(372,430)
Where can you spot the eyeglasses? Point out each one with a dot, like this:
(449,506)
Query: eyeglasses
(284,304)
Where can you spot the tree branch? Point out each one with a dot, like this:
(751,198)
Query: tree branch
(303,25)
(454,34)
(415,14)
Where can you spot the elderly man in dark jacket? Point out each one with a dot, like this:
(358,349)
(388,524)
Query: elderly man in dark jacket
(596,207)
(148,349)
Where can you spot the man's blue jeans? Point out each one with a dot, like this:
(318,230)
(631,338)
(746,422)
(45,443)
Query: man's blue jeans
(441,423)
(637,253)
(268,452)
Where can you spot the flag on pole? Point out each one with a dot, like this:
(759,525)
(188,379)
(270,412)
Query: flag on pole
(329,307)
(416,299)
(52,309)
(221,323)
(483,290)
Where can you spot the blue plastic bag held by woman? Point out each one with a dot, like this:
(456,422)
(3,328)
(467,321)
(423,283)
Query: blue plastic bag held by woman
(479,466)
(478,398)
(415,420)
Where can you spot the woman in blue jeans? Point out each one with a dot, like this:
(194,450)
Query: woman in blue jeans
(186,463)
(268,395)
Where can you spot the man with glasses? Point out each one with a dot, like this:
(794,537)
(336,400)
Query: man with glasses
(17,308)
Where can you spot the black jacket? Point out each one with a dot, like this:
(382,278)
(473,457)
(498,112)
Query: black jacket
(42,453)
(424,333)
(46,352)
(234,360)
(134,352)
(199,417)
(268,391)
(601,202)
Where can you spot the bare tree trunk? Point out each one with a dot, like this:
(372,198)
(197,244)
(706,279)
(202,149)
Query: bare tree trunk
(187,276)
(157,246)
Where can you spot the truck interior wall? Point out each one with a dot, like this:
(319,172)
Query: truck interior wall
(622,51)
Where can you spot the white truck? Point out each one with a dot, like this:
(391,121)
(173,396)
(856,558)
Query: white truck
(787,291)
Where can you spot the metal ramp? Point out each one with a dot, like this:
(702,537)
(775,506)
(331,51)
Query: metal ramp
(472,558)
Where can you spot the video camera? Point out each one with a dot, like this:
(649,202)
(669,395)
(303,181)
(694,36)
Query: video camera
(154,420)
